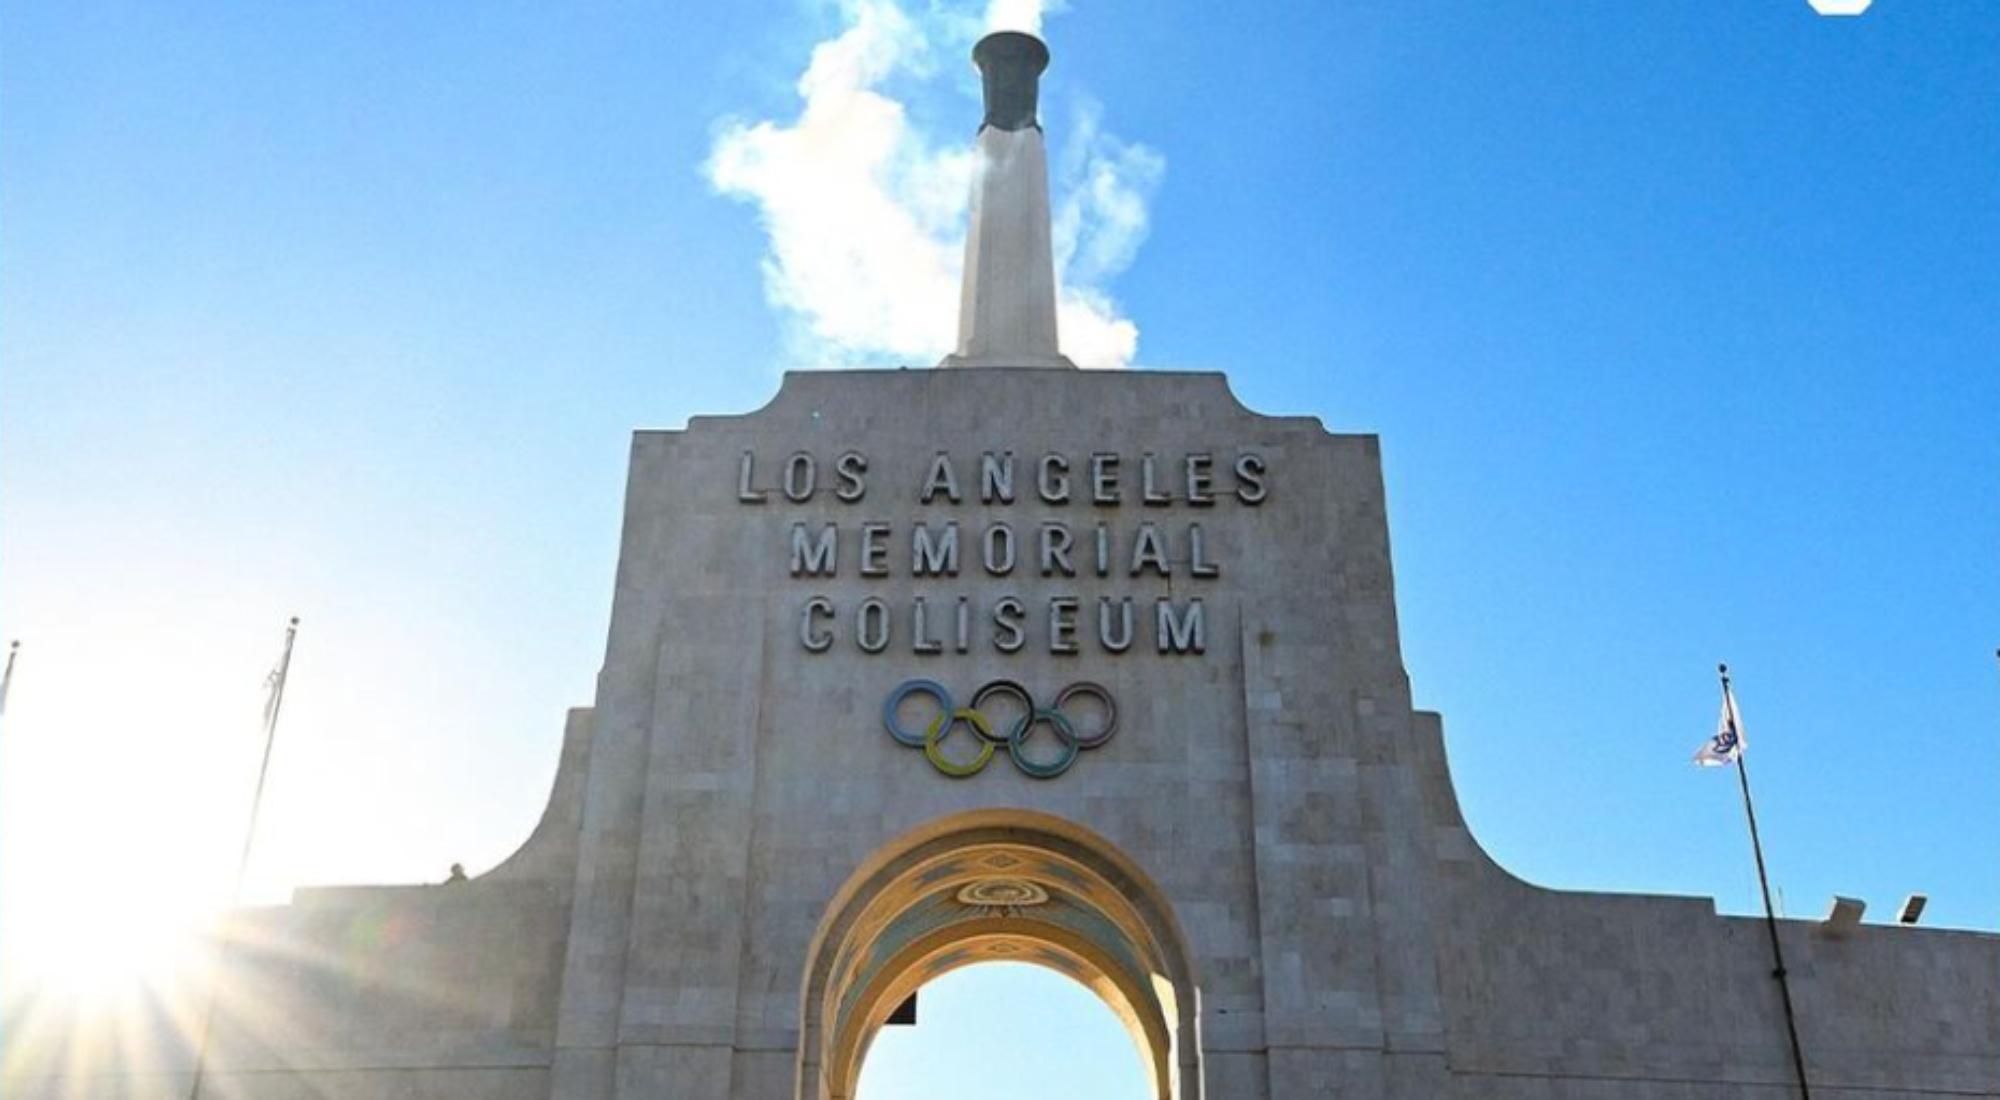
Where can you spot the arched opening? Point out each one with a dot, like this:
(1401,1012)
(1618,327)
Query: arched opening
(1005,1030)
(997,886)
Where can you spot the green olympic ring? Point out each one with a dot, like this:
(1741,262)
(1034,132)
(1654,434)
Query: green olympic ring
(973,717)
(1058,722)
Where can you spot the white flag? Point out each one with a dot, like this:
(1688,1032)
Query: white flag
(1727,744)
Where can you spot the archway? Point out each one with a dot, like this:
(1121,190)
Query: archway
(1003,1031)
(997,885)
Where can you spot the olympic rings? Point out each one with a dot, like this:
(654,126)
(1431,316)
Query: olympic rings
(903,691)
(950,715)
(1065,733)
(1085,687)
(941,727)
(991,688)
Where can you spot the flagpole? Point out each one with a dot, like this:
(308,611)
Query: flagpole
(271,707)
(7,678)
(264,766)
(1764,883)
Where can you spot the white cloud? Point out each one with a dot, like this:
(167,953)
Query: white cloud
(1106,186)
(865,211)
(1019,15)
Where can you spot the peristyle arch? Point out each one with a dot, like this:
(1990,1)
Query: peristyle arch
(997,885)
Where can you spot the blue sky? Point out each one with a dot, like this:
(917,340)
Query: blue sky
(1680,324)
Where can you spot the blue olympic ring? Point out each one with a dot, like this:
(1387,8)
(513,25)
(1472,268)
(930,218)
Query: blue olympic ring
(903,691)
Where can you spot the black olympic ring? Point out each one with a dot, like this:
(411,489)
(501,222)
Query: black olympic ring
(950,715)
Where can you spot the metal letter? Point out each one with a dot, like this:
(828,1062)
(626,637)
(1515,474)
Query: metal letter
(1200,478)
(996,477)
(1052,479)
(934,557)
(744,492)
(1103,550)
(815,640)
(815,558)
(871,625)
(1250,471)
(1147,549)
(1149,490)
(1056,541)
(801,477)
(920,641)
(1120,641)
(874,549)
(964,624)
(996,550)
(942,479)
(1198,563)
(1062,624)
(1008,636)
(849,467)
(1188,634)
(1104,478)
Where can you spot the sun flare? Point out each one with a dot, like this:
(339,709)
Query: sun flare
(121,814)
(106,950)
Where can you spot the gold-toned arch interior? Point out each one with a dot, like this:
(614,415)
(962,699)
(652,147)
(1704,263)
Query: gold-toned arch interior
(987,886)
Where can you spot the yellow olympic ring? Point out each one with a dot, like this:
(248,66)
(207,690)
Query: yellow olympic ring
(941,727)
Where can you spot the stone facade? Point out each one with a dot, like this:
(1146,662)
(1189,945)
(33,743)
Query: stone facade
(737,851)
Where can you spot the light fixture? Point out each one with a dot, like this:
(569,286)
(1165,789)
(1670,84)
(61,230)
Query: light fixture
(1845,915)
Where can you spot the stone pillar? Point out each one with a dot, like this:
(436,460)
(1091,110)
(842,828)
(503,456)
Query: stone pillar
(1007,305)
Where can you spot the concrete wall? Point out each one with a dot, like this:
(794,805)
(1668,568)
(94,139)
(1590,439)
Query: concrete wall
(1348,935)
(1547,991)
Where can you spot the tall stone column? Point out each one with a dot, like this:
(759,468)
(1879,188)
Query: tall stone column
(1007,305)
